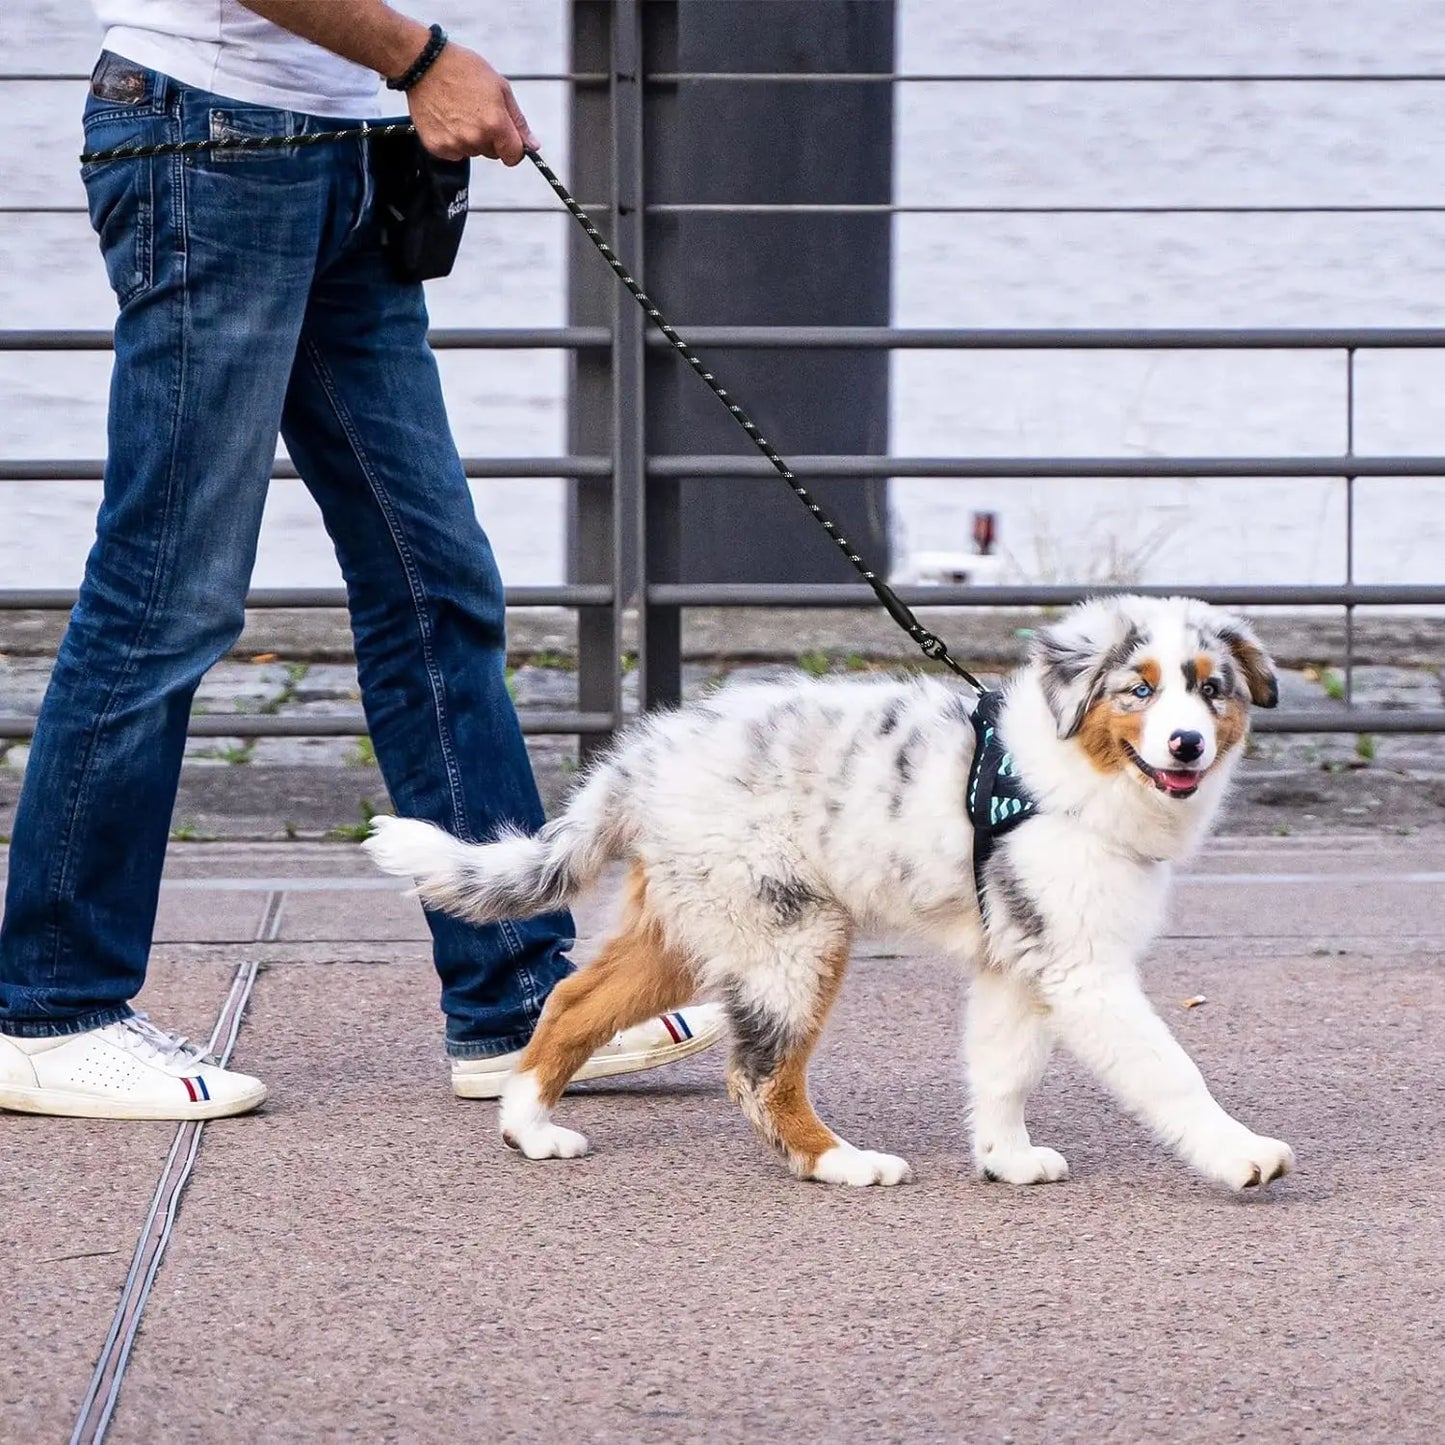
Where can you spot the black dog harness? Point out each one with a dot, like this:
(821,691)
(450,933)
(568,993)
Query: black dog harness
(997,799)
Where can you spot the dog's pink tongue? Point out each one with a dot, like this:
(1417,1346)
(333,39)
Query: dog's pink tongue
(1179,782)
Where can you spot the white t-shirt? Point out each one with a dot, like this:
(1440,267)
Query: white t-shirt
(220,46)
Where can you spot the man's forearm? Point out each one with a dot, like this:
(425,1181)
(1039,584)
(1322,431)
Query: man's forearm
(367,31)
(460,107)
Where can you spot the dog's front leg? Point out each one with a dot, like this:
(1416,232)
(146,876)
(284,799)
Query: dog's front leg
(1100,1014)
(1006,1047)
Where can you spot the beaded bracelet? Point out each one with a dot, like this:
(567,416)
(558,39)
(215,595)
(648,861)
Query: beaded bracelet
(422,63)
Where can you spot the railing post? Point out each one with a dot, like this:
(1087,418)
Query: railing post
(1350,527)
(591,551)
(629,445)
(801,143)
(660,543)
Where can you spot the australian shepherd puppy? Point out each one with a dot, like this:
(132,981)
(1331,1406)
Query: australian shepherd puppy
(766,823)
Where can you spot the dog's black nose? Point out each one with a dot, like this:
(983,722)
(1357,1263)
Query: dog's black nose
(1186,745)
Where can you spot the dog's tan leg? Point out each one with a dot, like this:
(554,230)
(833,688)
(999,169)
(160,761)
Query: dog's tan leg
(636,976)
(768,1079)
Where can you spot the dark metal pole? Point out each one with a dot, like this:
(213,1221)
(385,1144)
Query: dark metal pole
(712,141)
(660,657)
(629,442)
(592,554)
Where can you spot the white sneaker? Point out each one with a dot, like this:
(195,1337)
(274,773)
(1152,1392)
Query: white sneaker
(649,1045)
(126,1070)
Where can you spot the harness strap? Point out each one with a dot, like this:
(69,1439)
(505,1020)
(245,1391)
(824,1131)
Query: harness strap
(997,799)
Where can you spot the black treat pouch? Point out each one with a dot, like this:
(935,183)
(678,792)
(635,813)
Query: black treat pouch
(421,206)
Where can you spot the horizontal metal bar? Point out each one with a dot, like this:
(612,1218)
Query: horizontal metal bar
(881,77)
(894,208)
(520,338)
(334,725)
(786,594)
(31,469)
(1350,720)
(260,725)
(902,338)
(484,210)
(492,338)
(959,338)
(262,598)
(49,77)
(792,594)
(853,467)
(899,208)
(850,468)
(1064,338)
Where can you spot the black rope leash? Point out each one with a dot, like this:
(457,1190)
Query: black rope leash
(932,646)
(244,143)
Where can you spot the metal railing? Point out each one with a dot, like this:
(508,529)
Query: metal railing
(627,491)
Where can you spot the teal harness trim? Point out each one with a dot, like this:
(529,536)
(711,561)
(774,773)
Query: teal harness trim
(998,801)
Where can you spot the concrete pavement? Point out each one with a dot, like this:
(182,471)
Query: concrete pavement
(361,1260)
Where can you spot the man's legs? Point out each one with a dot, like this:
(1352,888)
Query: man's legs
(366,425)
(213,291)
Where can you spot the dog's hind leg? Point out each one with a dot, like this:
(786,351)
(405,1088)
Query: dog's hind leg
(1006,1048)
(775,1028)
(636,976)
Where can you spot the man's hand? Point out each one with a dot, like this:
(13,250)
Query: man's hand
(462,107)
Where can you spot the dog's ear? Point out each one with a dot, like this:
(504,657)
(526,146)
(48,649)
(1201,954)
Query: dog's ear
(1254,662)
(1075,655)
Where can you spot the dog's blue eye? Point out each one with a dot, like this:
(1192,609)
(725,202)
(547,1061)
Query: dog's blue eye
(1209,688)
(1143,690)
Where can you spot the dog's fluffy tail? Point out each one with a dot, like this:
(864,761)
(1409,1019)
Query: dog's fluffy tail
(517,875)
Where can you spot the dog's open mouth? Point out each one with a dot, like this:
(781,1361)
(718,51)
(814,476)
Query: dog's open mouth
(1176,782)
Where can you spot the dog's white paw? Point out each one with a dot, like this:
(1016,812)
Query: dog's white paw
(843,1164)
(1244,1160)
(1030,1165)
(545,1141)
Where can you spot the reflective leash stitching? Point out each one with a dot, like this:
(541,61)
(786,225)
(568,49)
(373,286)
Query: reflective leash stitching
(243,143)
(930,645)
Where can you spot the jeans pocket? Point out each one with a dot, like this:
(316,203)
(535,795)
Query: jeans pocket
(249,125)
(269,202)
(122,212)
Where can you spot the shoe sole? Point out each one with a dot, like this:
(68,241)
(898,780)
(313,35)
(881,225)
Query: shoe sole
(490,1086)
(61,1104)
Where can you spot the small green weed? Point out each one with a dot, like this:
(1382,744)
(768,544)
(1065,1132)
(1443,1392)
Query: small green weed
(363,755)
(355,832)
(815,664)
(1366,747)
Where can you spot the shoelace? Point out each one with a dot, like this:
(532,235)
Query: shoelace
(140,1036)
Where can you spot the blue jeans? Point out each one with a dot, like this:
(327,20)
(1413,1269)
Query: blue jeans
(254,299)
